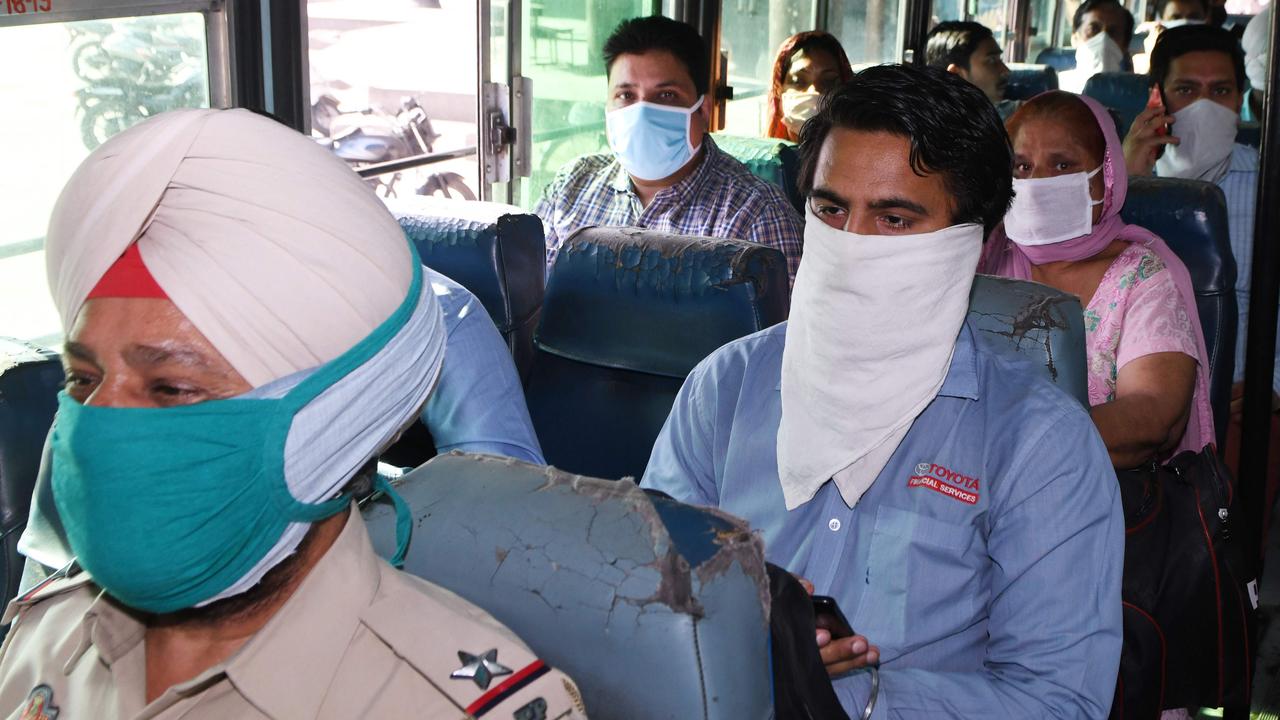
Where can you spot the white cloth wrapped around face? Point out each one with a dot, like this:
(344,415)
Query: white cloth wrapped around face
(874,321)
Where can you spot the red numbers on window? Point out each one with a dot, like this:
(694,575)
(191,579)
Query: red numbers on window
(24,7)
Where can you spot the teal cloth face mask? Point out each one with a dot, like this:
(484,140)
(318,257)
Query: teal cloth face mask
(167,507)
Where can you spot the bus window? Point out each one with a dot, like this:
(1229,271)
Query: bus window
(64,89)
(1041,36)
(396,83)
(743,25)
(989,13)
(560,51)
(868,29)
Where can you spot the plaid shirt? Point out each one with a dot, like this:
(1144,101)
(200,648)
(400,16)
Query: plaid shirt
(720,199)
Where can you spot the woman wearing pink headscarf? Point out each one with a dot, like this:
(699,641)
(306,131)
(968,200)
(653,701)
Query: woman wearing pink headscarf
(1147,364)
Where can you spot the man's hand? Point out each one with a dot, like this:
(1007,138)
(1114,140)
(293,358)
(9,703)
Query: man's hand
(841,656)
(1143,140)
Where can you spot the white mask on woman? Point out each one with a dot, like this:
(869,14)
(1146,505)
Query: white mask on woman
(874,321)
(1099,54)
(1207,134)
(798,106)
(1050,210)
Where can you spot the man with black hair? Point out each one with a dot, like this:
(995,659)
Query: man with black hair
(1101,31)
(665,172)
(945,493)
(1199,73)
(969,50)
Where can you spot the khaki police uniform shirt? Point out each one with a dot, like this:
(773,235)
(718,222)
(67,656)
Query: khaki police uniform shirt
(358,639)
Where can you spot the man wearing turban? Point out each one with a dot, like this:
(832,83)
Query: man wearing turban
(247,328)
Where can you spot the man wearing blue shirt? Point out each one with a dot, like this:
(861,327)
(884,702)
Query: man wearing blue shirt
(478,405)
(1199,71)
(960,508)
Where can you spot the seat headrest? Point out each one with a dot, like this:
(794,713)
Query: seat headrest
(1036,321)
(1027,81)
(658,303)
(483,247)
(1058,58)
(1124,93)
(624,593)
(1191,217)
(770,159)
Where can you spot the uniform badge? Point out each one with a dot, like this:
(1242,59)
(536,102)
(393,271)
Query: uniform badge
(480,668)
(946,481)
(39,705)
(535,710)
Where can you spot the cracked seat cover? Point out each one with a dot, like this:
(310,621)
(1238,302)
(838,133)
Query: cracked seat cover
(1034,320)
(656,609)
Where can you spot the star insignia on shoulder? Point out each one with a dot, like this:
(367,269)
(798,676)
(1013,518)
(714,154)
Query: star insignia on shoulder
(480,668)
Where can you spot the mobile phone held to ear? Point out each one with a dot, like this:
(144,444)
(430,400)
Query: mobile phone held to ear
(827,616)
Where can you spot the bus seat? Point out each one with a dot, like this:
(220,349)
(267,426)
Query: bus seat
(770,159)
(1191,217)
(1249,134)
(30,378)
(496,251)
(1057,58)
(1026,81)
(1123,92)
(656,609)
(628,313)
(1037,321)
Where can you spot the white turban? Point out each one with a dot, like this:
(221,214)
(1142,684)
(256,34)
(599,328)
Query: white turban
(281,256)
(1256,35)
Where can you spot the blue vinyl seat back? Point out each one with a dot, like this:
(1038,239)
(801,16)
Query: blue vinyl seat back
(1037,321)
(1057,58)
(498,252)
(656,609)
(1027,81)
(30,378)
(1124,93)
(770,159)
(1249,134)
(1191,217)
(628,313)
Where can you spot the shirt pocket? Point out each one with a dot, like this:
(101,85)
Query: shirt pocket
(923,581)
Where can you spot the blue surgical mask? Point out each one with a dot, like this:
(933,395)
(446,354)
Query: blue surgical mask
(168,507)
(652,141)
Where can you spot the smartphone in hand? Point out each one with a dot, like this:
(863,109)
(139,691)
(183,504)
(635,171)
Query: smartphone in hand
(827,616)
(1155,100)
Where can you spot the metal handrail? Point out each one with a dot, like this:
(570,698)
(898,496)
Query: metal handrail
(414,161)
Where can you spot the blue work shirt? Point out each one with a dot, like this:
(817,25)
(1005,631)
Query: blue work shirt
(478,404)
(984,561)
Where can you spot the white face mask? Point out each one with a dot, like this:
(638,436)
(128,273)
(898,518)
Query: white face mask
(1050,210)
(798,106)
(874,320)
(1207,132)
(652,141)
(1099,54)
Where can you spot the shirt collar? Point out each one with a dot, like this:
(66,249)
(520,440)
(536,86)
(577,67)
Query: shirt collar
(1243,159)
(962,374)
(621,181)
(287,667)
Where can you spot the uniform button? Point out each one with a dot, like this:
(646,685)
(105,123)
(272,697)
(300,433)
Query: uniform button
(834,524)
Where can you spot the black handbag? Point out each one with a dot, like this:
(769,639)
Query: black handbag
(1188,616)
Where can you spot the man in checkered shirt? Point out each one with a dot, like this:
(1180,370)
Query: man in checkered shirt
(665,172)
